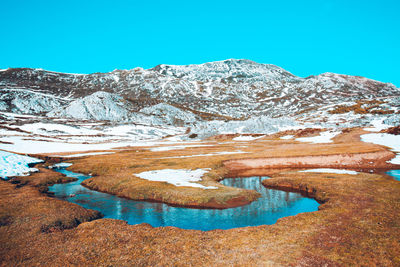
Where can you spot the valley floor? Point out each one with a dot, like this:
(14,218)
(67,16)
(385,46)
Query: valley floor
(357,222)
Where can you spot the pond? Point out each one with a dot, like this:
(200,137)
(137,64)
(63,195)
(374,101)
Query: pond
(395,174)
(273,204)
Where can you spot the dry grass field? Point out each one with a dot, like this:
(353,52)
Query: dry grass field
(357,223)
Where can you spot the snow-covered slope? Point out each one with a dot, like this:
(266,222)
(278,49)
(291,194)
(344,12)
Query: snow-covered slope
(170,115)
(25,101)
(238,89)
(97,106)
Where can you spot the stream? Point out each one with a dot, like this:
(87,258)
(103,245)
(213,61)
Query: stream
(272,205)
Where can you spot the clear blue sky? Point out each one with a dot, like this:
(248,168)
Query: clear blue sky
(357,37)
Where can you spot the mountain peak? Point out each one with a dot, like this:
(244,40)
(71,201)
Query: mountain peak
(231,69)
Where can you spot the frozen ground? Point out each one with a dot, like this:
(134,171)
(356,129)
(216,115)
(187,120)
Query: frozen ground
(15,165)
(177,177)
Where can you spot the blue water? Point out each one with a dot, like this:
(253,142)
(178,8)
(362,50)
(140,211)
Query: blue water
(273,204)
(395,174)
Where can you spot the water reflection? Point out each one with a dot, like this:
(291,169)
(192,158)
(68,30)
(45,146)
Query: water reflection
(273,204)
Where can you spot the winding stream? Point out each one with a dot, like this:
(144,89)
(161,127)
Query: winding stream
(273,204)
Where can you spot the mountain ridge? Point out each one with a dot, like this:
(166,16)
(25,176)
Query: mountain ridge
(233,88)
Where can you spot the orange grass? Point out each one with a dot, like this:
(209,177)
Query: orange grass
(115,173)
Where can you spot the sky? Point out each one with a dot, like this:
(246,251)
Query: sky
(305,37)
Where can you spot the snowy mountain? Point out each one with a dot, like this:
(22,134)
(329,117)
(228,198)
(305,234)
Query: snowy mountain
(184,95)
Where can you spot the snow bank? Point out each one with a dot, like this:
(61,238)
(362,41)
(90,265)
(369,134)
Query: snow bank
(339,171)
(86,154)
(177,177)
(246,138)
(23,145)
(61,165)
(167,148)
(287,137)
(15,165)
(324,137)
(378,125)
(54,128)
(385,139)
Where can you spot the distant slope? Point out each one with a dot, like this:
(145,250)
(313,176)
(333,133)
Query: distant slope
(229,89)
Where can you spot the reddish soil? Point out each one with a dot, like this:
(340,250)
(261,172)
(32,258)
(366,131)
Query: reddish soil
(374,160)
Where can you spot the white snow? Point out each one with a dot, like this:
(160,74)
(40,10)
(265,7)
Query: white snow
(254,125)
(327,170)
(32,146)
(98,106)
(378,125)
(324,137)
(385,139)
(246,138)
(54,128)
(287,137)
(15,165)
(61,165)
(86,154)
(167,148)
(177,177)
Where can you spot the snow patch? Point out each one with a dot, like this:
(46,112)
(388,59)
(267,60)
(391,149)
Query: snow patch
(61,165)
(23,145)
(287,137)
(246,138)
(378,125)
(167,148)
(16,165)
(86,154)
(385,139)
(324,137)
(53,128)
(177,177)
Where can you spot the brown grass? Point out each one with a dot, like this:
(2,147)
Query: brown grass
(114,173)
(357,224)
(362,107)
